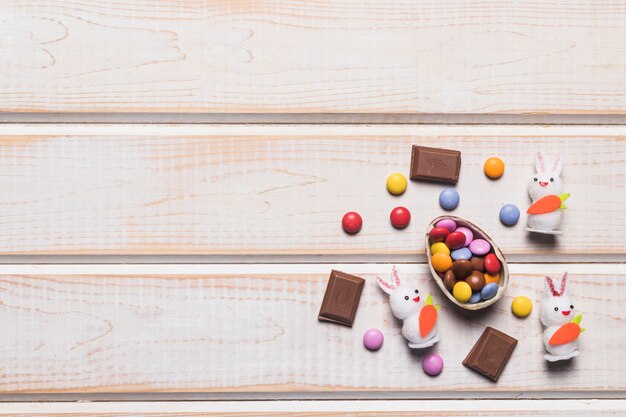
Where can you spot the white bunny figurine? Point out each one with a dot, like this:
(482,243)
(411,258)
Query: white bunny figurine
(562,328)
(419,316)
(545,189)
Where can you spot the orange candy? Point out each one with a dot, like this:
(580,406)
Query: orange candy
(491,278)
(494,167)
(441,262)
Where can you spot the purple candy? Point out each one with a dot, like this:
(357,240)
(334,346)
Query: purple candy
(469,235)
(373,339)
(432,364)
(479,247)
(447,223)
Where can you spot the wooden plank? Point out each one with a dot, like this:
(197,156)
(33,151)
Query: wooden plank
(253,330)
(314,57)
(221,193)
(359,408)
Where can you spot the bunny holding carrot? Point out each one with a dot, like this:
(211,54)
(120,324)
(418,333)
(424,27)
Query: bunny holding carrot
(545,189)
(418,314)
(562,326)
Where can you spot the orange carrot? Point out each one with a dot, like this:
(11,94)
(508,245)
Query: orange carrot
(546,204)
(566,333)
(428,318)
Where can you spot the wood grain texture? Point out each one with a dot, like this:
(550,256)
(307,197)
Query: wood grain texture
(259,333)
(296,56)
(361,408)
(286,193)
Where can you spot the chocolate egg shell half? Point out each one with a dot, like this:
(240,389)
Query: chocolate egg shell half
(477,265)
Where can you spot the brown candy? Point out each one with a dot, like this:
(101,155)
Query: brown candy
(478,263)
(476,281)
(449,280)
(462,268)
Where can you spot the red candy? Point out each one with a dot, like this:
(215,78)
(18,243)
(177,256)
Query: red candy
(455,240)
(400,217)
(438,234)
(492,264)
(351,222)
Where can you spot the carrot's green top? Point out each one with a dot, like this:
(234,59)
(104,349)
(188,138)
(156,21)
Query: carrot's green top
(548,204)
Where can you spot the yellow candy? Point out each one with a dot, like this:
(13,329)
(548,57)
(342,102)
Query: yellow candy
(491,278)
(439,247)
(521,306)
(441,262)
(494,168)
(462,291)
(396,183)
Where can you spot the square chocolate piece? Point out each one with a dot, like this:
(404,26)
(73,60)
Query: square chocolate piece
(341,298)
(491,353)
(434,164)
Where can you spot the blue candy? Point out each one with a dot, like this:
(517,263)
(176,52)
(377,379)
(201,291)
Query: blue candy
(474,298)
(463,253)
(489,291)
(449,198)
(509,214)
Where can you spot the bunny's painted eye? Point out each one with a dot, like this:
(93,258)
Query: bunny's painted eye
(551,179)
(417,291)
(406,297)
(556,309)
(535,179)
(571,306)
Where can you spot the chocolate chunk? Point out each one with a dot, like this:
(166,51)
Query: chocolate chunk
(341,298)
(491,353)
(434,164)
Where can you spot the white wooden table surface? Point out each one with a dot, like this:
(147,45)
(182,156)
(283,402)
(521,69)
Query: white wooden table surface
(173,176)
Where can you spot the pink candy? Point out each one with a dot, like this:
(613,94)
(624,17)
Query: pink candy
(373,339)
(448,224)
(479,247)
(432,364)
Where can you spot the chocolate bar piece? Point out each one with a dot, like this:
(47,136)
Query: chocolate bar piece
(434,164)
(341,298)
(491,353)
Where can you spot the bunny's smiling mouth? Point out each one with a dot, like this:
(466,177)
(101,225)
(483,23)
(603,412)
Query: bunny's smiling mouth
(417,299)
(543,183)
(566,313)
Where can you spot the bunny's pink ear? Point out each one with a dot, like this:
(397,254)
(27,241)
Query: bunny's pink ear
(396,275)
(540,164)
(557,166)
(549,287)
(551,290)
(563,283)
(385,286)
